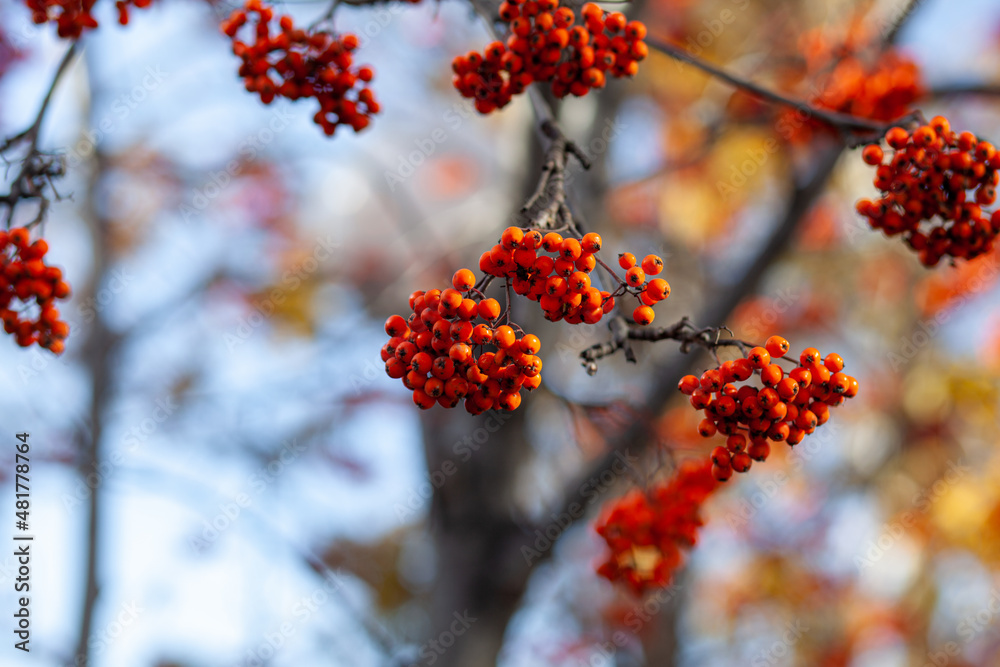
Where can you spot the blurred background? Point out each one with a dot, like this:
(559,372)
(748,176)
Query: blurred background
(222,474)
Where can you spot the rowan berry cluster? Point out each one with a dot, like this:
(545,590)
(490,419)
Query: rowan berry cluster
(933,187)
(786,408)
(560,280)
(444,356)
(26,282)
(294,63)
(884,90)
(72,17)
(648,531)
(882,87)
(544,45)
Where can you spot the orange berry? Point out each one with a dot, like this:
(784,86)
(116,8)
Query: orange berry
(872,154)
(759,357)
(626,260)
(652,265)
(809,357)
(834,362)
(530,344)
(897,137)
(570,249)
(635,30)
(771,375)
(396,326)
(552,242)
(658,289)
(511,238)
(615,22)
(463,280)
(643,315)
(509,400)
(635,276)
(591,242)
(776,346)
(688,384)
(504,337)
(489,309)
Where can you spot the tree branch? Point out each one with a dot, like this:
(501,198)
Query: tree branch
(640,436)
(37,169)
(959,89)
(707,338)
(844,122)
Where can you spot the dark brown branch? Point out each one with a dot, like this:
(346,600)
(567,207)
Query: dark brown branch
(549,198)
(37,169)
(901,20)
(708,338)
(959,89)
(841,121)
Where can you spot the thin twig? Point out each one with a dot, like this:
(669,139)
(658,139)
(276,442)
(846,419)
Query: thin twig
(683,331)
(901,20)
(37,169)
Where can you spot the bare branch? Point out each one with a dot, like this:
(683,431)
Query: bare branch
(708,338)
(846,123)
(37,169)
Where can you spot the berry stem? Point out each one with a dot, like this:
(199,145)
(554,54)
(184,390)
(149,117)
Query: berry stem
(611,272)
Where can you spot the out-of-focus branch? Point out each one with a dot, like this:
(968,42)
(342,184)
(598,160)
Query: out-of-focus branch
(965,89)
(901,21)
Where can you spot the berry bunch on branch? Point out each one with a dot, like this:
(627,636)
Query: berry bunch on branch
(933,186)
(546,44)
(443,354)
(73,17)
(648,530)
(294,63)
(786,406)
(28,291)
(858,76)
